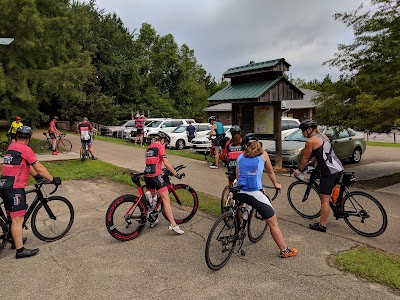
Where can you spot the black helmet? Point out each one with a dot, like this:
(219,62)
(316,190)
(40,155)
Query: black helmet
(163,135)
(307,123)
(212,118)
(235,129)
(24,132)
(248,138)
(55,118)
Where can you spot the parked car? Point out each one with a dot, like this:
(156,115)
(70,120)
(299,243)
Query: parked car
(179,138)
(131,132)
(117,130)
(201,144)
(166,126)
(288,124)
(347,144)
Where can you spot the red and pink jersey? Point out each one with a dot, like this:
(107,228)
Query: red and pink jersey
(155,153)
(17,162)
(52,127)
(139,122)
(85,128)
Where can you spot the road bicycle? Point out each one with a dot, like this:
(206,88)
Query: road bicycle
(127,215)
(229,232)
(361,211)
(84,153)
(257,225)
(45,146)
(209,154)
(52,217)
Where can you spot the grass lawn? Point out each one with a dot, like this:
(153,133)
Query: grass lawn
(381,144)
(371,264)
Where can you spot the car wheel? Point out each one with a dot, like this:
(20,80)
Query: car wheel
(180,144)
(356,157)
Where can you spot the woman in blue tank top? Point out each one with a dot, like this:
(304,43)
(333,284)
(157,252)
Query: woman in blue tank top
(249,171)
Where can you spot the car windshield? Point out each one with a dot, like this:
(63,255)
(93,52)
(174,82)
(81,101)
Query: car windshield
(121,123)
(148,122)
(296,135)
(180,129)
(154,124)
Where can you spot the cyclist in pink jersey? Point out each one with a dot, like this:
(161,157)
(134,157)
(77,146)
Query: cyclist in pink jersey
(155,157)
(19,163)
(139,124)
(52,132)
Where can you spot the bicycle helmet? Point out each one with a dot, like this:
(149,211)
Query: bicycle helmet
(212,118)
(55,118)
(85,119)
(307,123)
(17,118)
(24,132)
(137,116)
(248,138)
(235,129)
(163,135)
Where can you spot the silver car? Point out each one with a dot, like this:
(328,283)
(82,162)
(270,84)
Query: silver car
(347,144)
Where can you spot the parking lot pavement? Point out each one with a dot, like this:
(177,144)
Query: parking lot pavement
(89,264)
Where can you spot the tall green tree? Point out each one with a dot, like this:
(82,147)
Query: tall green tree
(370,66)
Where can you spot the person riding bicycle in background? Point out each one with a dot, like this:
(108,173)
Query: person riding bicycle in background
(249,171)
(52,132)
(139,124)
(318,146)
(218,128)
(86,129)
(155,157)
(13,129)
(19,163)
(233,148)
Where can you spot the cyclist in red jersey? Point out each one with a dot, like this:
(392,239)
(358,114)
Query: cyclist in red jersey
(139,124)
(86,129)
(52,132)
(233,148)
(19,163)
(155,157)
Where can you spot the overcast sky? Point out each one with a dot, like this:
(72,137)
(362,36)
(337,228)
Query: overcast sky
(230,33)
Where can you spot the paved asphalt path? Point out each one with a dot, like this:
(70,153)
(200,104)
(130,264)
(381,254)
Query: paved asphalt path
(89,264)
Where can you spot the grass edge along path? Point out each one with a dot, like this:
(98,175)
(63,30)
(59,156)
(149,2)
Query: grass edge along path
(76,170)
(371,264)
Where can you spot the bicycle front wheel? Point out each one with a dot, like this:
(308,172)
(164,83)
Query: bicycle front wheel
(304,199)
(64,146)
(364,214)
(256,226)
(4,234)
(226,201)
(184,203)
(52,218)
(42,147)
(3,148)
(221,241)
(126,217)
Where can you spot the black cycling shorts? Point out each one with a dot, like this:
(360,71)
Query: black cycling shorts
(155,183)
(327,183)
(259,202)
(14,201)
(52,136)
(139,131)
(13,136)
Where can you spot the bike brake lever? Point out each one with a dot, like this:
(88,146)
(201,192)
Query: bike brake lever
(51,193)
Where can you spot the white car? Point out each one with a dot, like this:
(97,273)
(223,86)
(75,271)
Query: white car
(201,144)
(166,126)
(179,138)
(116,131)
(130,133)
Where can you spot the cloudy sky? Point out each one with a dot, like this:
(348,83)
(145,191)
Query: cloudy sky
(230,33)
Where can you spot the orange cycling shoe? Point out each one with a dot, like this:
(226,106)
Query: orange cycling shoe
(289,252)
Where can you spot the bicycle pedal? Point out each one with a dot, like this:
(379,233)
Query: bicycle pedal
(242,253)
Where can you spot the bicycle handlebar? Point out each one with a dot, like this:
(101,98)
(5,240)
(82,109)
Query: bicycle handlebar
(39,184)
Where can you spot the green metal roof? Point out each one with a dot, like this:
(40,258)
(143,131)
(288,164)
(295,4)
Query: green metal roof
(245,90)
(255,66)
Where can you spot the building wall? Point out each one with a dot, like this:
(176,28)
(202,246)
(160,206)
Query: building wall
(224,116)
(301,114)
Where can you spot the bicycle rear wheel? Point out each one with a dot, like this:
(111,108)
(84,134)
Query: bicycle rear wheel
(184,203)
(256,226)
(4,234)
(42,147)
(126,217)
(364,214)
(226,201)
(221,241)
(52,218)
(64,146)
(304,199)
(3,148)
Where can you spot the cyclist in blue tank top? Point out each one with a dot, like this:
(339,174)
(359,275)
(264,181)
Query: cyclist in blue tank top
(219,130)
(249,170)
